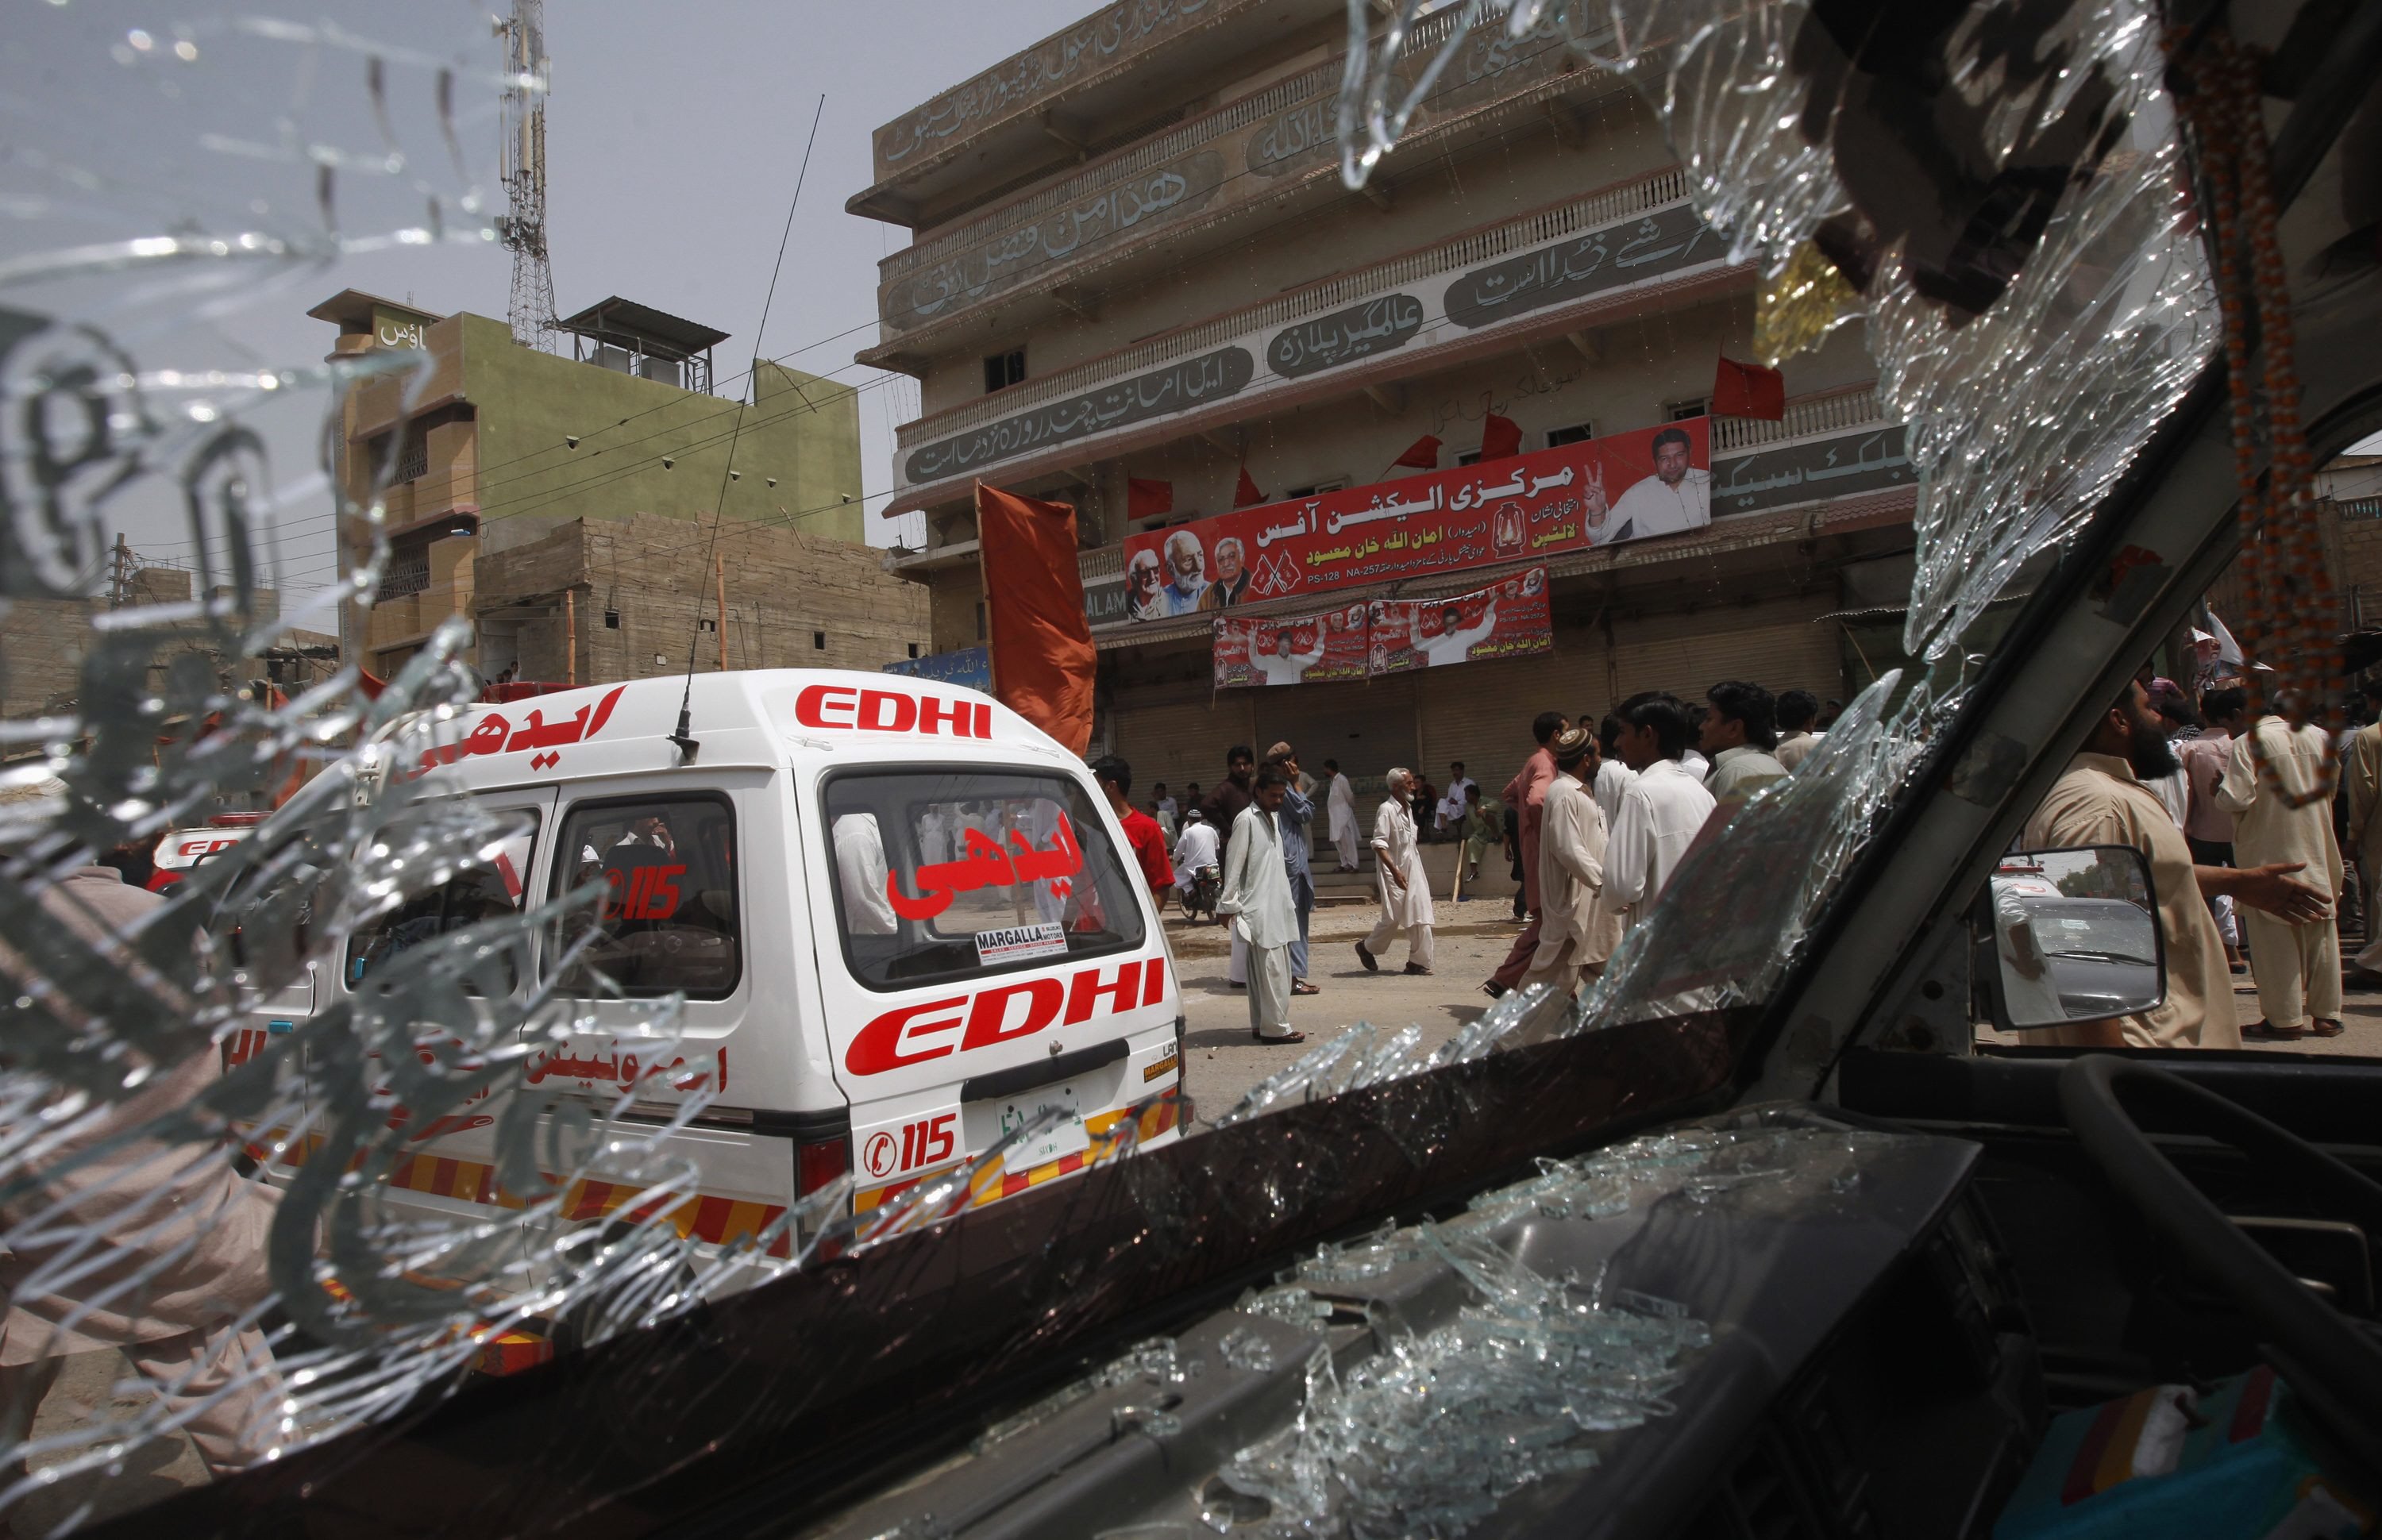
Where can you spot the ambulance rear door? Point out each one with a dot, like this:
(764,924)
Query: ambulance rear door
(995,955)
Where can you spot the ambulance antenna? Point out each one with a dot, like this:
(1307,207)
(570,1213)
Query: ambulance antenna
(685,737)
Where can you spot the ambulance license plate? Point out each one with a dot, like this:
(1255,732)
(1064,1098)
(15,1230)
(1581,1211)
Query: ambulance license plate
(1067,1136)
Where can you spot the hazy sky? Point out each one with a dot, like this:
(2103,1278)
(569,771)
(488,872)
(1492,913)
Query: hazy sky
(674,137)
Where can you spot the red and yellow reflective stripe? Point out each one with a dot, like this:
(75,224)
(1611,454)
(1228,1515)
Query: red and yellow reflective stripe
(995,1182)
(706,1217)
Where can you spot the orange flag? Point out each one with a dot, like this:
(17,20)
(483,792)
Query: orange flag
(1042,657)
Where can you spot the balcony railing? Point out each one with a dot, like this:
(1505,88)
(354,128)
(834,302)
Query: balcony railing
(1808,417)
(972,261)
(1661,191)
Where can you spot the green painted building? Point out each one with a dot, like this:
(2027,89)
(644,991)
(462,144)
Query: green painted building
(486,444)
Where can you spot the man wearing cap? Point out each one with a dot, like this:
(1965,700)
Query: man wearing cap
(1576,934)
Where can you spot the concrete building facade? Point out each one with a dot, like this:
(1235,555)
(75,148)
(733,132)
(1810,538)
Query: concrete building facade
(483,446)
(1126,239)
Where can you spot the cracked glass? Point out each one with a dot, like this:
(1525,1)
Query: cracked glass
(233,1201)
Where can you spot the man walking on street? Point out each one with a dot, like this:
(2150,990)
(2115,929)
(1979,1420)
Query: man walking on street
(1405,886)
(1526,794)
(1340,802)
(1577,934)
(1739,735)
(1257,899)
(1297,822)
(2273,785)
(1223,808)
(1613,772)
(1661,810)
(2207,828)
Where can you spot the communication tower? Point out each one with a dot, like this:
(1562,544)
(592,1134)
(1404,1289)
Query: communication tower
(522,229)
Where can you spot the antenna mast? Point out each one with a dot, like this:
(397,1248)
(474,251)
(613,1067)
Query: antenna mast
(523,229)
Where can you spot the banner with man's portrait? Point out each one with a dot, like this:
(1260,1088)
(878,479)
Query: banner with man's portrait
(1507,619)
(1302,649)
(1635,485)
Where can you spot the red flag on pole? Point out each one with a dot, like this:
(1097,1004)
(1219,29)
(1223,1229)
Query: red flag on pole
(1148,499)
(1748,390)
(1042,657)
(1422,454)
(1500,436)
(1246,493)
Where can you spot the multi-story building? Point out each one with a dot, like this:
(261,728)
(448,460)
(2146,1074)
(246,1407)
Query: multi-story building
(1134,260)
(485,445)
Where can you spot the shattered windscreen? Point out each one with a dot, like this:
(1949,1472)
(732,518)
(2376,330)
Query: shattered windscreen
(245,1208)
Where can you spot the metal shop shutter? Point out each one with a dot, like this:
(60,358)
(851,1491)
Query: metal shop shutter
(1480,713)
(1782,646)
(1367,727)
(1182,739)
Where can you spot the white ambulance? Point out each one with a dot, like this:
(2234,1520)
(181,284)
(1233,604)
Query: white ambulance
(903,919)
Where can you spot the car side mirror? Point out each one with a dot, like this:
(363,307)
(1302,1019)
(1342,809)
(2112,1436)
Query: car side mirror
(2075,936)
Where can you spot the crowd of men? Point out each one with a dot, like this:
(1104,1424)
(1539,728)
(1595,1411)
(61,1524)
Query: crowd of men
(2242,816)
(1594,825)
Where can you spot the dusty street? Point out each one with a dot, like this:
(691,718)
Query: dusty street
(1223,1062)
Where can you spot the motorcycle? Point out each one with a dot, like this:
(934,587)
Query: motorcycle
(1207,883)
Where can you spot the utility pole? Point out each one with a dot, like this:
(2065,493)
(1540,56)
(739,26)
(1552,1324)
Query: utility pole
(120,574)
(523,230)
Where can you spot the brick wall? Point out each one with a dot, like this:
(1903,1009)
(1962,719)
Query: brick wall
(793,601)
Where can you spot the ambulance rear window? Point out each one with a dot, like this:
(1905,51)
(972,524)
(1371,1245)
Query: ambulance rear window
(668,920)
(955,873)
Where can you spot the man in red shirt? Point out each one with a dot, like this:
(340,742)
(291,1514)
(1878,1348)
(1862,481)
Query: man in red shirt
(1527,795)
(1141,831)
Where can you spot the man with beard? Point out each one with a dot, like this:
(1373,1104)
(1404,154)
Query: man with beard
(2277,786)
(1186,567)
(2101,801)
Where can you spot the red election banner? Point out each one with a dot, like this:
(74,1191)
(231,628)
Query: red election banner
(1597,492)
(1290,649)
(1507,619)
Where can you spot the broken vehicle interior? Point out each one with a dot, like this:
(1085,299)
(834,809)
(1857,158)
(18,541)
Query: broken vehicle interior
(1784,1227)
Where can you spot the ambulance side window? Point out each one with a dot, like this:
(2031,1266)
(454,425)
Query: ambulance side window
(955,873)
(484,893)
(667,920)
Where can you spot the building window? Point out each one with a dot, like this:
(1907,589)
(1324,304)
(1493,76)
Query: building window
(1335,485)
(1679,411)
(1467,456)
(818,641)
(413,458)
(913,649)
(1003,370)
(1578,433)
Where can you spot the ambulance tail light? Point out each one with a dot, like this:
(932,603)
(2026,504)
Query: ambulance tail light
(819,1163)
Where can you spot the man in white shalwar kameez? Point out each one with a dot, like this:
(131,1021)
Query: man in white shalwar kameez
(1257,899)
(1662,808)
(1341,806)
(2298,966)
(1576,934)
(1404,886)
